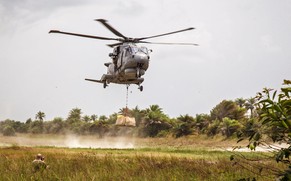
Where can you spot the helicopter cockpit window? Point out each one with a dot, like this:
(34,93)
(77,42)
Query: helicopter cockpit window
(134,50)
(144,50)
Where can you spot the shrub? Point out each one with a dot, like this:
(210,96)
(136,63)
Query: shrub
(8,131)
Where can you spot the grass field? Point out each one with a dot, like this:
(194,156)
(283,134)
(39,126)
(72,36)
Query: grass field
(149,159)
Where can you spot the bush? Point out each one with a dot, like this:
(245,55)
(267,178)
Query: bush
(183,129)
(8,131)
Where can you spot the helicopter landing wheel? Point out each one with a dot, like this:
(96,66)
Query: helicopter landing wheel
(104,85)
(140,88)
(138,73)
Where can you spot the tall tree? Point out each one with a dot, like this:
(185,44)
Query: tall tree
(93,117)
(137,114)
(74,115)
(202,122)
(40,116)
(185,126)
(86,118)
(227,108)
(250,105)
(240,101)
(155,121)
(103,118)
(229,126)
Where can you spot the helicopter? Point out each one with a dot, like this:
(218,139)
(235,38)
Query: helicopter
(129,61)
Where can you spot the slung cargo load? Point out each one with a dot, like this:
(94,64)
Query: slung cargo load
(125,121)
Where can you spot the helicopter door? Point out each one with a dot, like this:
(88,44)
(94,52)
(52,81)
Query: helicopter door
(120,60)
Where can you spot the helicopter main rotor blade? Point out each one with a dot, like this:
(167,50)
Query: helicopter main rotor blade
(82,35)
(187,29)
(113,30)
(168,43)
(113,45)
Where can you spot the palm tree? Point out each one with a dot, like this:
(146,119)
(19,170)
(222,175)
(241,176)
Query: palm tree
(240,101)
(250,105)
(154,114)
(227,108)
(186,119)
(185,127)
(155,108)
(93,117)
(103,118)
(40,116)
(86,118)
(202,122)
(137,114)
(229,126)
(74,115)
(125,112)
(155,121)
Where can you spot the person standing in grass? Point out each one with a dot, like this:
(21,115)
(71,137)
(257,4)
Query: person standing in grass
(39,163)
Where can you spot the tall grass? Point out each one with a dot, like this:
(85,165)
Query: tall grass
(126,164)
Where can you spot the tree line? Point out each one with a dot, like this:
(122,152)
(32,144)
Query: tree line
(227,118)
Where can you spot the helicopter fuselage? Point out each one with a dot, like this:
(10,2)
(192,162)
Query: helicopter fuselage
(129,64)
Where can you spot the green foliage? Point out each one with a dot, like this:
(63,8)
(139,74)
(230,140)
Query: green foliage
(275,111)
(8,131)
(86,118)
(154,122)
(137,114)
(36,127)
(56,126)
(226,118)
(93,117)
(229,109)
(40,116)
(112,118)
(229,126)
(240,102)
(151,122)
(74,116)
(251,128)
(274,116)
(202,122)
(213,128)
(103,118)
(16,125)
(250,105)
(183,129)
(185,126)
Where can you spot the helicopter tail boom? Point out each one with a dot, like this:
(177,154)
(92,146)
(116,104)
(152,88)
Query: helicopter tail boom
(93,80)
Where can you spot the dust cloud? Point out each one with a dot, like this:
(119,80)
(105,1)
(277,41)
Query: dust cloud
(69,141)
(73,141)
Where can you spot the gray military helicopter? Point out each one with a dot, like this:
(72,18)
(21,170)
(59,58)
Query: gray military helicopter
(129,61)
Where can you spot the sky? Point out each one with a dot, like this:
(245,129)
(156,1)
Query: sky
(244,46)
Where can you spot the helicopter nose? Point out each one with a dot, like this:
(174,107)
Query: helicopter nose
(141,58)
